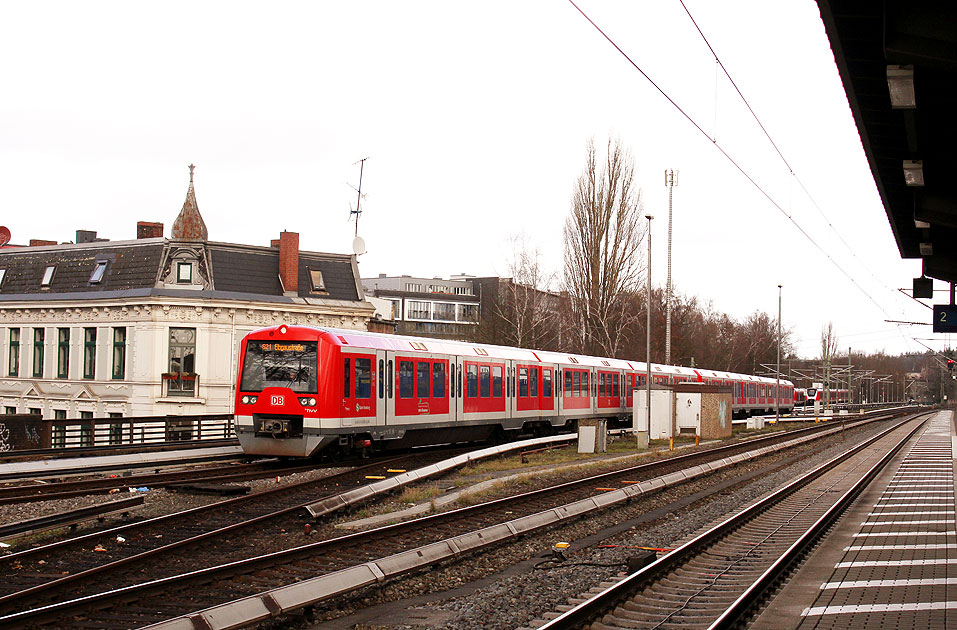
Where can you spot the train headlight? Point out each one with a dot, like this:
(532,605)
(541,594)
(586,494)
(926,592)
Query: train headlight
(249,400)
(307,402)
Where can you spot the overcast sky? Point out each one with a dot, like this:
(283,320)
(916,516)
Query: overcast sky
(474,117)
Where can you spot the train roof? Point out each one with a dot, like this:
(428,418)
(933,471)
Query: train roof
(405,343)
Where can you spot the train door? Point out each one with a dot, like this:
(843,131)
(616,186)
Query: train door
(548,392)
(358,403)
(380,380)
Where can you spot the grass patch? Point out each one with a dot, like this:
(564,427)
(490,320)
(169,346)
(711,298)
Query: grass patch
(417,495)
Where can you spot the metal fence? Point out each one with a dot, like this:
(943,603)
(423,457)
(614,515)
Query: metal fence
(87,432)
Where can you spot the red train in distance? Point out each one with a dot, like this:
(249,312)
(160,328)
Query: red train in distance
(301,390)
(804,397)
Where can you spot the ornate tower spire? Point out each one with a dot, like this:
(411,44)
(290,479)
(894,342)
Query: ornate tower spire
(189,225)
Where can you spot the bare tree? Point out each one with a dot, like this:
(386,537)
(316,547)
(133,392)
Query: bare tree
(521,310)
(828,350)
(603,236)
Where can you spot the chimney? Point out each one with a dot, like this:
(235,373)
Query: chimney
(85,236)
(289,262)
(149,229)
(38,242)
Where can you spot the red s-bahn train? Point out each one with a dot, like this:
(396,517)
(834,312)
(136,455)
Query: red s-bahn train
(301,390)
(806,397)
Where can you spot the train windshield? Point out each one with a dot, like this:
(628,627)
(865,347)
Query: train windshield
(292,364)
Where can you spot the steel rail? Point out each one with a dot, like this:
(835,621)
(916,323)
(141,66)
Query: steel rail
(586,612)
(428,523)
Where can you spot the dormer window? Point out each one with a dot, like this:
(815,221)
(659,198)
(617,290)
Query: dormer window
(317,283)
(184,272)
(98,271)
(48,276)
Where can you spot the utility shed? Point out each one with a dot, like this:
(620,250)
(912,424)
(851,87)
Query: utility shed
(703,409)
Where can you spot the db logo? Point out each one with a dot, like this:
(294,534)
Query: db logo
(276,400)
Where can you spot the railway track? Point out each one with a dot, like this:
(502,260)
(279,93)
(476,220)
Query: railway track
(65,488)
(720,576)
(171,595)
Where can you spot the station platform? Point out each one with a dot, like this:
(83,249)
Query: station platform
(891,561)
(76,465)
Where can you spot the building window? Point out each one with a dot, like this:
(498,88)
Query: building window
(119,354)
(396,309)
(35,411)
(38,334)
(443,311)
(418,310)
(316,281)
(10,410)
(14,364)
(59,414)
(97,276)
(116,429)
(181,379)
(63,353)
(89,353)
(468,313)
(48,276)
(86,429)
(184,272)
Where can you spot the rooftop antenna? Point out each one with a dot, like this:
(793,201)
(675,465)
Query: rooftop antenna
(358,210)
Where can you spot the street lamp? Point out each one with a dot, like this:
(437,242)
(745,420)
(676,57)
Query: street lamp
(648,332)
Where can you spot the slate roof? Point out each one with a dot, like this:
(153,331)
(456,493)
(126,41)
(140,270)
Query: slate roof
(133,267)
(130,266)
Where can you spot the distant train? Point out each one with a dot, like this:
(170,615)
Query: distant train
(301,390)
(804,397)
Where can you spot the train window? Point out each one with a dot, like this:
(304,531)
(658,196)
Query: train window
(546,383)
(438,380)
(381,380)
(568,383)
(389,380)
(497,381)
(523,382)
(614,385)
(363,378)
(451,380)
(346,378)
(533,382)
(423,368)
(485,380)
(577,387)
(585,384)
(406,377)
(292,365)
(601,383)
(471,380)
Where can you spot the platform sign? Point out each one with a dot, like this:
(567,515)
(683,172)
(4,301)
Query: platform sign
(945,318)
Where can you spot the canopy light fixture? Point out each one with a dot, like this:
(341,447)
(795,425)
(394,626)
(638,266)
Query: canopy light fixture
(921,225)
(914,172)
(900,84)
(926,249)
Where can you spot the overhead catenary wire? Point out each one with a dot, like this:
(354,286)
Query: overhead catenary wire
(734,162)
(767,135)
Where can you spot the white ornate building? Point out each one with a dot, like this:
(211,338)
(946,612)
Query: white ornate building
(151,327)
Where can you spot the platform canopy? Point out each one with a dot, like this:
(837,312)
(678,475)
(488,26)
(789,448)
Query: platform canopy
(898,62)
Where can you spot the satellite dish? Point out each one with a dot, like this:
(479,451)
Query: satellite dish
(358,246)
(4,236)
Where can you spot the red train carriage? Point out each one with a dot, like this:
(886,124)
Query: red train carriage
(301,390)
